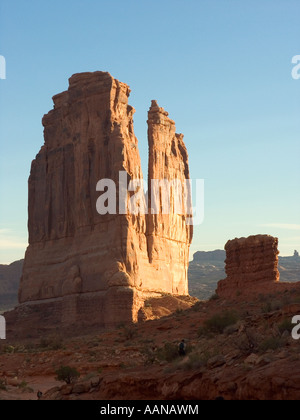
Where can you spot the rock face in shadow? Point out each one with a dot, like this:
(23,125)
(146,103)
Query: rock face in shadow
(98,268)
(252,267)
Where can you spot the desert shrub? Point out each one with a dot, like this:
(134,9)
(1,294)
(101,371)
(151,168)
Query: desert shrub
(179,311)
(270,343)
(197,307)
(231,329)
(246,367)
(276,305)
(165,294)
(23,385)
(2,385)
(150,355)
(266,307)
(242,344)
(285,325)
(204,332)
(30,347)
(67,374)
(7,349)
(287,299)
(129,333)
(147,304)
(17,348)
(147,341)
(248,342)
(217,323)
(196,361)
(94,343)
(271,306)
(90,376)
(296,299)
(168,352)
(214,297)
(51,343)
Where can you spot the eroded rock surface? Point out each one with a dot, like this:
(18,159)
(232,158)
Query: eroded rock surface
(92,268)
(252,267)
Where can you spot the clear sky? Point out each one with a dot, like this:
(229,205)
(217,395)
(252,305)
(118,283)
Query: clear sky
(221,68)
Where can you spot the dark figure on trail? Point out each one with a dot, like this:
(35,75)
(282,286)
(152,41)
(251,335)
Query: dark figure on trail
(181,349)
(39,395)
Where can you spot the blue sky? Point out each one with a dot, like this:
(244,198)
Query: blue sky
(221,68)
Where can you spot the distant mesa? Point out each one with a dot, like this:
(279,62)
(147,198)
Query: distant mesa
(217,255)
(82,267)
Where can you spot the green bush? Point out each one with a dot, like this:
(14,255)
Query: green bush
(196,361)
(286,325)
(204,332)
(197,307)
(271,306)
(67,374)
(217,323)
(150,355)
(8,349)
(214,297)
(179,311)
(129,333)
(267,307)
(51,343)
(296,299)
(23,385)
(169,352)
(2,385)
(270,343)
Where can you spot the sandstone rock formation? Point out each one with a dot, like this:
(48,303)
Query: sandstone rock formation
(251,267)
(80,265)
(167,234)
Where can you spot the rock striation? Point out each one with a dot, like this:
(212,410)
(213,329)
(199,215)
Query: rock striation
(251,267)
(91,268)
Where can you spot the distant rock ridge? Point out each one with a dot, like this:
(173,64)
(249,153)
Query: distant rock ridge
(217,255)
(9,283)
(252,267)
(81,266)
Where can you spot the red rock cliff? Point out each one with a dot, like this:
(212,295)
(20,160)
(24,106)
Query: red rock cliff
(91,267)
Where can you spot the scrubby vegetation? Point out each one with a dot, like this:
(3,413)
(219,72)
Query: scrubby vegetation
(67,374)
(218,322)
(168,352)
(53,342)
(286,325)
(271,343)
